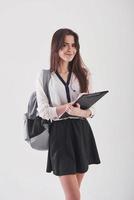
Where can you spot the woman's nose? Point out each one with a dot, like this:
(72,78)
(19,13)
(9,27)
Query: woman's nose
(70,48)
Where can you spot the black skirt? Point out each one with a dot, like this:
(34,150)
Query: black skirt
(72,147)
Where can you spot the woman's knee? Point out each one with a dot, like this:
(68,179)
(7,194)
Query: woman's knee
(75,196)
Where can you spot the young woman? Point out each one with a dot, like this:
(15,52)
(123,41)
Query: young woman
(72,146)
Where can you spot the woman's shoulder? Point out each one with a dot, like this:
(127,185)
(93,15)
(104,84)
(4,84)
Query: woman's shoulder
(41,72)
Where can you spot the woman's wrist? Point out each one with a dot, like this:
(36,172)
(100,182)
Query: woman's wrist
(60,109)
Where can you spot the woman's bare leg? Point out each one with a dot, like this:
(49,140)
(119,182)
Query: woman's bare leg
(79,178)
(70,186)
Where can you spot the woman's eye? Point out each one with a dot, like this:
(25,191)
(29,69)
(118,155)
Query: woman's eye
(65,45)
(74,45)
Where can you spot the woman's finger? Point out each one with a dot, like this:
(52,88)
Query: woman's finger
(78,105)
(68,111)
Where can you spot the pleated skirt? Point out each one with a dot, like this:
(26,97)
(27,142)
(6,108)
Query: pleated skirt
(72,147)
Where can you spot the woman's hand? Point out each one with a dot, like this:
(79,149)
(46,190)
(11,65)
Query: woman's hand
(77,111)
(62,108)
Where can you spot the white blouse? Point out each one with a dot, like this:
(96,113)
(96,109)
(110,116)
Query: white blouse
(57,94)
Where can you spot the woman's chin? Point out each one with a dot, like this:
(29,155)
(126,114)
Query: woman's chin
(67,59)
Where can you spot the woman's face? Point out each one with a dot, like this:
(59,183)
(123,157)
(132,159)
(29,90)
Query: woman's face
(68,51)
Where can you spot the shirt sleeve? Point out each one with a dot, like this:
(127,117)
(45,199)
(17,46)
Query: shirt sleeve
(45,111)
(90,90)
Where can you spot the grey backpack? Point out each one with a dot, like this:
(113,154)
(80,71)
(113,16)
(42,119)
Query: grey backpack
(36,129)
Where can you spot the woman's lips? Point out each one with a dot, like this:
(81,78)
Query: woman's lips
(69,54)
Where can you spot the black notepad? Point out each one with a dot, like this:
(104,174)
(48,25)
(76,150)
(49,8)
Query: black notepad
(87,100)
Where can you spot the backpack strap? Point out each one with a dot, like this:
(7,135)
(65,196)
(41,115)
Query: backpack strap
(32,103)
(46,78)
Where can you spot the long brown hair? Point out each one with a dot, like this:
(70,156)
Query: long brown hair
(76,65)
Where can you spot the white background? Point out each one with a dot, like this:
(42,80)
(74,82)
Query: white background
(106,30)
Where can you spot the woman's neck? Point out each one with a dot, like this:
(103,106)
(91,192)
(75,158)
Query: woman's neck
(63,68)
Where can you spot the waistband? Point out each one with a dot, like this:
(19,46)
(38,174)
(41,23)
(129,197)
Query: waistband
(68,118)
